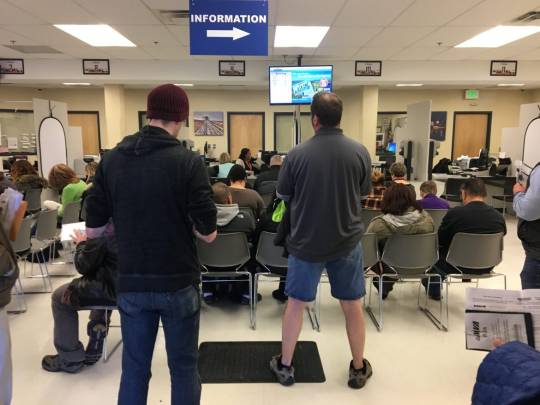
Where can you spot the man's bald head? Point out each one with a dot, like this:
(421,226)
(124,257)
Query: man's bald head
(328,108)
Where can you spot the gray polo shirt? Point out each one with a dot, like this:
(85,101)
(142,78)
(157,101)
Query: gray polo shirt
(324,181)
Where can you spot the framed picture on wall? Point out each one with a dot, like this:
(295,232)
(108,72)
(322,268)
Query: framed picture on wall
(208,123)
(438,125)
(12,66)
(232,68)
(503,68)
(368,68)
(96,67)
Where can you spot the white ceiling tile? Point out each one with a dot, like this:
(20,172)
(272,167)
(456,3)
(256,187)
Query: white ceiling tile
(449,36)
(120,11)
(167,4)
(505,52)
(293,51)
(433,12)
(532,41)
(10,53)
(529,55)
(6,36)
(418,53)
(57,11)
(337,52)
(349,36)
(399,36)
(370,13)
(11,14)
(457,54)
(307,12)
(146,35)
(177,52)
(126,53)
(46,35)
(180,33)
(494,12)
(376,53)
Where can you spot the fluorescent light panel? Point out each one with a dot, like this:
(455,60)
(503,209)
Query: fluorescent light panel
(499,36)
(409,85)
(289,36)
(76,84)
(184,84)
(96,35)
(511,84)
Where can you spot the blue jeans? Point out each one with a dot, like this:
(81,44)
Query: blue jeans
(346,276)
(530,275)
(140,314)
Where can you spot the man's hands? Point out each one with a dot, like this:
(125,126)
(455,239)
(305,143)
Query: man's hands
(78,236)
(205,238)
(519,188)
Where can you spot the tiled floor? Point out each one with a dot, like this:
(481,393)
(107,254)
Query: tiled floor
(413,362)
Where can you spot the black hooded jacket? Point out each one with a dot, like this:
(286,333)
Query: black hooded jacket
(156,191)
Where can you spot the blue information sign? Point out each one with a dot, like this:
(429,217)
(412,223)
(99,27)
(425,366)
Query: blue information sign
(228,27)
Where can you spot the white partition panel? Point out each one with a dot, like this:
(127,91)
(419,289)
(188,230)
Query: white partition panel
(418,131)
(531,151)
(512,146)
(74,145)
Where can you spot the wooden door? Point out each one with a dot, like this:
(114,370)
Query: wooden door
(245,130)
(471,133)
(89,123)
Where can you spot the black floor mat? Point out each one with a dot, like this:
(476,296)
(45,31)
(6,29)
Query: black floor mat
(248,362)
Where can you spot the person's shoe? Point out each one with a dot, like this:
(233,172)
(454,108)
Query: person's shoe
(54,364)
(284,374)
(280,296)
(434,291)
(358,378)
(244,299)
(94,348)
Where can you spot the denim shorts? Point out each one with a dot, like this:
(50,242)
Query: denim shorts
(346,275)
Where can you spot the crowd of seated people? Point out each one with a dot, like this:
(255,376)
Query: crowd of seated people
(271,174)
(401,214)
(225,165)
(245,159)
(375,197)
(242,195)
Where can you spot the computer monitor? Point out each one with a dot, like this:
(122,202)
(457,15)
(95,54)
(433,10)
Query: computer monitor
(391,147)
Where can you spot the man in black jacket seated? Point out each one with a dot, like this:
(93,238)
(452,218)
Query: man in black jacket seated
(230,219)
(475,216)
(159,197)
(96,260)
(271,174)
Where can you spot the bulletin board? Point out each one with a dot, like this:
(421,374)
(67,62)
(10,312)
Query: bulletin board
(17,133)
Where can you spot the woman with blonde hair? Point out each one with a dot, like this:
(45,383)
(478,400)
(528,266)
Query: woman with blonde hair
(63,179)
(225,165)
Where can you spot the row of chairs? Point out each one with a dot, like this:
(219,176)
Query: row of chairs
(231,251)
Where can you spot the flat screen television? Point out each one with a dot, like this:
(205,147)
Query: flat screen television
(295,85)
(392,147)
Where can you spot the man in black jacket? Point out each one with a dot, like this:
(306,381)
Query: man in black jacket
(475,216)
(159,197)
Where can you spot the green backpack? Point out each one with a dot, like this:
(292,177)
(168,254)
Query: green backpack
(278,213)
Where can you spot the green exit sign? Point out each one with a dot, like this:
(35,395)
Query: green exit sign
(472,94)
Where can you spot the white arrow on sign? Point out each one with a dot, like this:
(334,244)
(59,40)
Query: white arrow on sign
(235,33)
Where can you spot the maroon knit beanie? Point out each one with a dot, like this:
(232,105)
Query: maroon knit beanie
(168,103)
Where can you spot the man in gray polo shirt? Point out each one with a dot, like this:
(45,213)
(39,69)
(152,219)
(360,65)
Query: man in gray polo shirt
(324,180)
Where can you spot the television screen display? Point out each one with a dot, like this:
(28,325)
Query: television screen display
(392,147)
(298,84)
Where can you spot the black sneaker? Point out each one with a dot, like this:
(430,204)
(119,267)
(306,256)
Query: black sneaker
(54,364)
(244,299)
(280,296)
(210,298)
(284,374)
(358,378)
(94,348)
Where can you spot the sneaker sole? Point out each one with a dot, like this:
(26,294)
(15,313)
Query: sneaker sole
(354,387)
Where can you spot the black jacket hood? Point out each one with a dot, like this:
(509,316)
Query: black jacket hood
(147,140)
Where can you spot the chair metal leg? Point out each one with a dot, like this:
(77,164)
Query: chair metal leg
(377,322)
(438,322)
(19,297)
(252,299)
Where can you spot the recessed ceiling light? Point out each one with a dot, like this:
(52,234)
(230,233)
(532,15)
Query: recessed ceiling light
(409,85)
(96,35)
(184,84)
(511,84)
(499,36)
(76,84)
(288,36)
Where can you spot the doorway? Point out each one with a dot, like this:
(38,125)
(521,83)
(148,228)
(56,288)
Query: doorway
(88,121)
(245,130)
(472,132)
(284,130)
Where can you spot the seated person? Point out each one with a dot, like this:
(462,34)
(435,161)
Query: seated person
(475,216)
(225,165)
(245,160)
(25,176)
(96,260)
(230,219)
(242,196)
(430,201)
(63,179)
(5,183)
(398,171)
(90,170)
(401,215)
(272,174)
(375,197)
